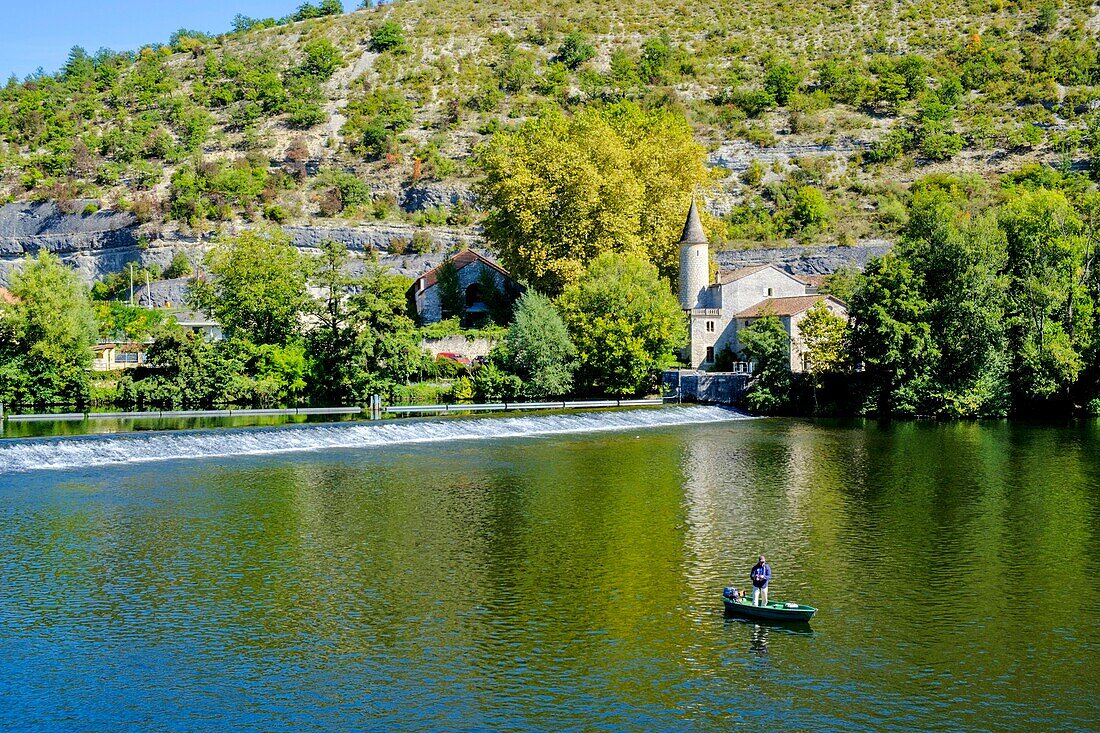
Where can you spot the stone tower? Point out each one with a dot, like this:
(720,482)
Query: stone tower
(694,261)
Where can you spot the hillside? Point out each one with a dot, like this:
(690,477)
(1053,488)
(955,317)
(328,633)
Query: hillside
(373,115)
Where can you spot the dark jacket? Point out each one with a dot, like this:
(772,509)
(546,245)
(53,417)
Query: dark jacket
(760,568)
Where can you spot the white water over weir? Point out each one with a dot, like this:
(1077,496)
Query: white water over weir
(35,454)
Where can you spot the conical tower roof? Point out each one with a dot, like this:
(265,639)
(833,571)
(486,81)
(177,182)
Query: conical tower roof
(693,228)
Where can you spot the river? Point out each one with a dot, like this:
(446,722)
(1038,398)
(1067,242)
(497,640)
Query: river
(557,572)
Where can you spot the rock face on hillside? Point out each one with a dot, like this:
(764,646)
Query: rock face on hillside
(32,227)
(821,260)
(107,241)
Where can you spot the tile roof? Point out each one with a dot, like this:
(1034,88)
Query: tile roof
(785,306)
(815,280)
(460,260)
(7,297)
(728,276)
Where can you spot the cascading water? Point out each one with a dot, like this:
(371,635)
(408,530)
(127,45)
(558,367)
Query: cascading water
(81,452)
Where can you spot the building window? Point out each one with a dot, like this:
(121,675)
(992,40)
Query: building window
(769,292)
(710,354)
(710,326)
(747,322)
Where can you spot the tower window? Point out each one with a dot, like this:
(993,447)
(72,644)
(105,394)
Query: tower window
(710,354)
(710,326)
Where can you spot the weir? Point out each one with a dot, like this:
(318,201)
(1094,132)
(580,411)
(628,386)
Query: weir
(33,454)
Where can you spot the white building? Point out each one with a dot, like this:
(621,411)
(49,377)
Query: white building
(716,311)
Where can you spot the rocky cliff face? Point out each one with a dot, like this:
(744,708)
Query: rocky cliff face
(821,260)
(108,241)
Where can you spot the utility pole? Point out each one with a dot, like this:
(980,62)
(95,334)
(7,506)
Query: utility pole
(131,284)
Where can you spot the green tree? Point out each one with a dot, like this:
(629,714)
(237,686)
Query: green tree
(767,345)
(189,371)
(574,50)
(338,367)
(808,208)
(625,323)
(1048,306)
(180,266)
(823,337)
(388,36)
(539,350)
(452,301)
(891,337)
(388,339)
(46,335)
(322,59)
(307,10)
(258,286)
(562,190)
(958,259)
(781,81)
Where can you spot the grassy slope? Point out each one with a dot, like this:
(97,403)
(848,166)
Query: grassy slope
(460,48)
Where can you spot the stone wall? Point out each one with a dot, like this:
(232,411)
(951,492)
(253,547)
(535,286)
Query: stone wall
(720,388)
(470,348)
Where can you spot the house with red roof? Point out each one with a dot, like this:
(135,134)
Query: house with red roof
(482,286)
(717,311)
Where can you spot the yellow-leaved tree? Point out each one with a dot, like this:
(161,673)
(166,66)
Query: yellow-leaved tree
(562,190)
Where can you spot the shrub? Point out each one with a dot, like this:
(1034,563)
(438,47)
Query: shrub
(574,50)
(389,36)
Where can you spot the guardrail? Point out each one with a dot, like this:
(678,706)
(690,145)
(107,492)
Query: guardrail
(510,406)
(184,413)
(392,409)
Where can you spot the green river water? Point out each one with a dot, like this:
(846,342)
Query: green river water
(530,579)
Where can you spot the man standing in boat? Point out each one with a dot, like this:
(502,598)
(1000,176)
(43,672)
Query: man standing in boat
(760,574)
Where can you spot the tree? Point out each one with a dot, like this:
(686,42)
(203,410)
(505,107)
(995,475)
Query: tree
(574,50)
(1048,307)
(539,350)
(46,335)
(258,288)
(452,302)
(767,345)
(180,266)
(781,81)
(190,371)
(808,209)
(823,334)
(337,366)
(561,190)
(307,10)
(388,339)
(891,337)
(1047,19)
(322,59)
(625,323)
(958,259)
(388,36)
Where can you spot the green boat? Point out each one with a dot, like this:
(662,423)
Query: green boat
(774,611)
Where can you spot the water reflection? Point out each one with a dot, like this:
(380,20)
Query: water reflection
(566,582)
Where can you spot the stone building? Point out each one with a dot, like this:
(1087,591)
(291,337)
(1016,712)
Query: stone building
(477,274)
(716,311)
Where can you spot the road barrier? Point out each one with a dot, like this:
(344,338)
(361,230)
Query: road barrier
(392,409)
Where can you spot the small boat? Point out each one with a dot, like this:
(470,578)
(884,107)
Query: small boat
(774,611)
